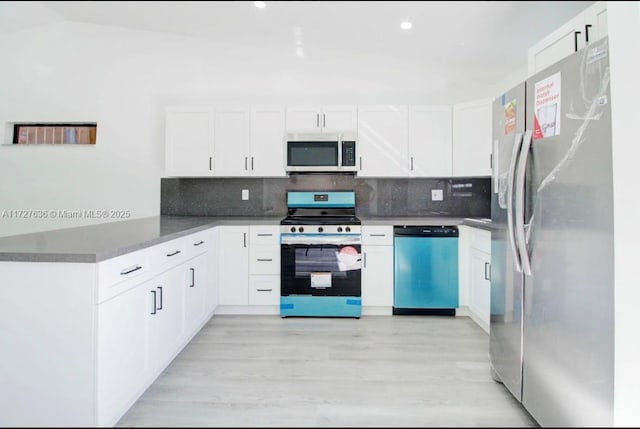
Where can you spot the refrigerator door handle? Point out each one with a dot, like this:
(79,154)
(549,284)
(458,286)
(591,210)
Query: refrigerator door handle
(517,143)
(519,185)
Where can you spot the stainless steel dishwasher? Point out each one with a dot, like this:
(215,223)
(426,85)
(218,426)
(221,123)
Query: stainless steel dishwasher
(425,270)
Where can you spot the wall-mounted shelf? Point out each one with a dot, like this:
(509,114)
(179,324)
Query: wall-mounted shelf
(52,133)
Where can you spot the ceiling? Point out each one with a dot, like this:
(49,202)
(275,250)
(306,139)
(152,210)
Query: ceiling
(467,39)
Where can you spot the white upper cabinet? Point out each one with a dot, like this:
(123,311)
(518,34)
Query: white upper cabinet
(267,141)
(339,119)
(586,27)
(232,145)
(322,119)
(382,141)
(225,141)
(430,140)
(189,141)
(472,138)
(595,16)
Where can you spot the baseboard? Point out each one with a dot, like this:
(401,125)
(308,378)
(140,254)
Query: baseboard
(376,310)
(484,325)
(248,309)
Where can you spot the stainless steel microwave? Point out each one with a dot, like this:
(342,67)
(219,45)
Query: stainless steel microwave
(321,153)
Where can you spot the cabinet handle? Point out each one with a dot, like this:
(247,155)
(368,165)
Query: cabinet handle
(411,163)
(575,40)
(586,32)
(210,161)
(130,270)
(264,260)
(245,163)
(174,253)
(317,120)
(251,163)
(265,235)
(198,243)
(160,289)
(377,235)
(265,290)
(193,277)
(154,302)
(244,239)
(360,163)
(487,276)
(324,121)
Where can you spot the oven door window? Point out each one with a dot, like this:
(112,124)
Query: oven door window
(321,269)
(312,154)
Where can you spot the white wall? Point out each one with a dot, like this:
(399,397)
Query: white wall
(624,37)
(123,79)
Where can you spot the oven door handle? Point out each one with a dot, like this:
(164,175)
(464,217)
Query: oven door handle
(320,239)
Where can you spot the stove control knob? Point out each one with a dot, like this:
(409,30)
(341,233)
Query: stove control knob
(293,229)
(339,229)
(320,229)
(347,229)
(300,229)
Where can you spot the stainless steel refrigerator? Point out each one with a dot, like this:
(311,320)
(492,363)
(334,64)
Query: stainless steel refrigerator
(552,310)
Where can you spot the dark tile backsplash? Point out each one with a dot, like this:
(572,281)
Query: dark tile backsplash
(462,197)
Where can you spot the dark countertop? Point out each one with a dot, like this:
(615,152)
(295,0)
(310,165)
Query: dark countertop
(95,243)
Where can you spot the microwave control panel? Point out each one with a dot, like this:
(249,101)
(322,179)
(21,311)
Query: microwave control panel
(348,154)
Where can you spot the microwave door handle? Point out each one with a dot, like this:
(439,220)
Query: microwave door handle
(339,153)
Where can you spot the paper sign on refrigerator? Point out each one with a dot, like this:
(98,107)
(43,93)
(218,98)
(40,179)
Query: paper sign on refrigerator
(546,118)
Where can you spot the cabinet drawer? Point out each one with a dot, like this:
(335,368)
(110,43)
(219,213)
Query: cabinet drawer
(197,243)
(264,260)
(169,254)
(121,273)
(481,240)
(264,290)
(377,235)
(264,235)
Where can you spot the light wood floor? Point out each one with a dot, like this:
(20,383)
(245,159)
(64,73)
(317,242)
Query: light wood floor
(375,371)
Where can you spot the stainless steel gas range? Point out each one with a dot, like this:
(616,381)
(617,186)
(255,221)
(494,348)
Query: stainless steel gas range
(321,255)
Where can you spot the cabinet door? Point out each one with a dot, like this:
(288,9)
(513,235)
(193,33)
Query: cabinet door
(430,141)
(165,324)
(596,16)
(211,293)
(339,119)
(121,351)
(556,46)
(377,275)
(382,141)
(231,156)
(189,137)
(480,286)
(472,138)
(195,284)
(268,141)
(233,268)
(303,119)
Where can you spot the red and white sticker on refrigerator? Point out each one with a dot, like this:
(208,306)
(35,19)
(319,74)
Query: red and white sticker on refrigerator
(546,116)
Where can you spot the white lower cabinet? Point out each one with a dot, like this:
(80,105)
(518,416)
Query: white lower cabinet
(233,265)
(195,283)
(121,352)
(377,266)
(480,284)
(377,276)
(475,273)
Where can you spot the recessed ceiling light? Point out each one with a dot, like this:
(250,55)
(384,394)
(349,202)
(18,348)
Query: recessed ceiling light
(260,4)
(405,25)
